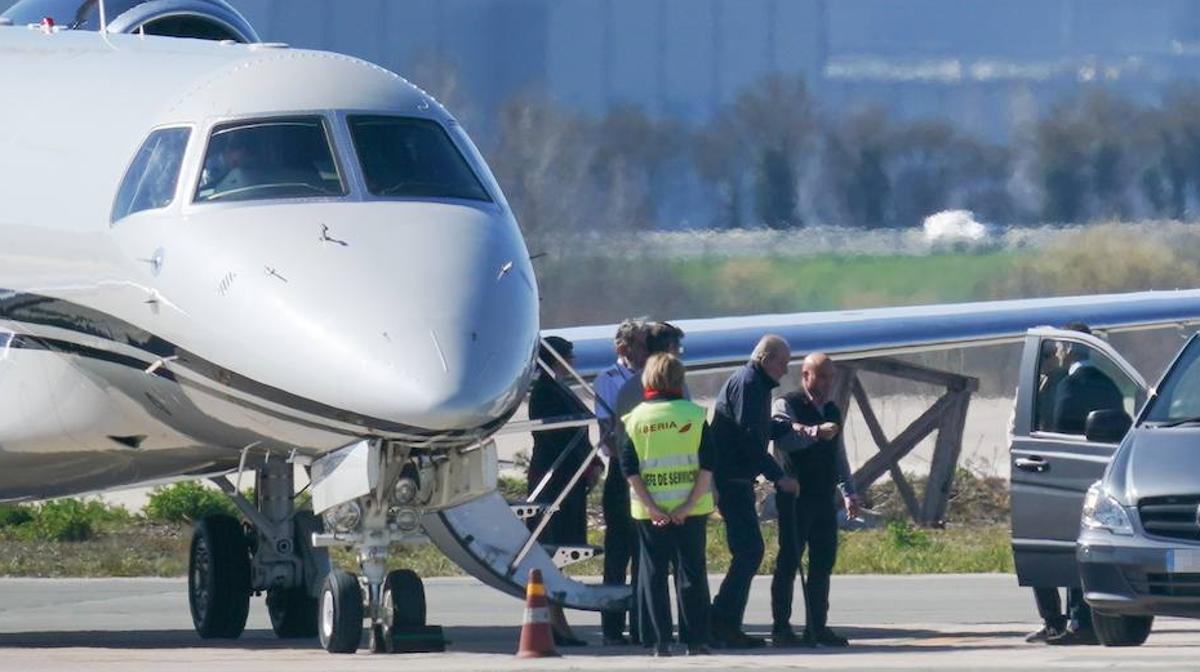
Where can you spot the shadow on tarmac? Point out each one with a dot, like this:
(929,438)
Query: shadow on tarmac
(496,640)
(503,640)
(148,639)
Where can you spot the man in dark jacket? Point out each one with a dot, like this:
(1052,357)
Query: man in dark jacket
(742,428)
(816,456)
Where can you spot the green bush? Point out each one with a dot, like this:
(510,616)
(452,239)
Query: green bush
(70,520)
(12,515)
(186,502)
(512,488)
(904,536)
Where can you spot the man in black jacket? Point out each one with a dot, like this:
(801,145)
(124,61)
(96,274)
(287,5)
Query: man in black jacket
(816,456)
(742,428)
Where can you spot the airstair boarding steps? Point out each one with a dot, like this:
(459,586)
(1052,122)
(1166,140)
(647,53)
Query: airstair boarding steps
(483,536)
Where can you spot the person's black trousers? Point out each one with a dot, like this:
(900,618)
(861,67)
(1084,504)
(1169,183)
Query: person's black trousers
(569,525)
(805,521)
(1049,606)
(620,549)
(735,501)
(680,547)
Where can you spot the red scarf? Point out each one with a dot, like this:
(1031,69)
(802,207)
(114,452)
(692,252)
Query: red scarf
(651,394)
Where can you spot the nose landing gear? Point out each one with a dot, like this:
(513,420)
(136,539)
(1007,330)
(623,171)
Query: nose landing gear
(370,496)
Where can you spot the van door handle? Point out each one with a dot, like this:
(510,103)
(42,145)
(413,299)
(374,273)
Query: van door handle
(1034,464)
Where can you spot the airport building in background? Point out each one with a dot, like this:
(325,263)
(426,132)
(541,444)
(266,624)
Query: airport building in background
(987,65)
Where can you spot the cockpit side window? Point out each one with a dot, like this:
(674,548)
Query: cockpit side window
(413,158)
(153,175)
(269,159)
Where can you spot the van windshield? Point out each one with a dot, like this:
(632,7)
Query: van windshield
(1178,396)
(269,159)
(415,158)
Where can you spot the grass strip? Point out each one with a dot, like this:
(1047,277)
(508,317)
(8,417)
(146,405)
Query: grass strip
(141,550)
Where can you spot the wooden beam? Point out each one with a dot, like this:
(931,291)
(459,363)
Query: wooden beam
(898,369)
(906,492)
(945,460)
(903,443)
(868,413)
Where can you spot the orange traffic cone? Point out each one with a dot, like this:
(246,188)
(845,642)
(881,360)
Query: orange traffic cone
(537,639)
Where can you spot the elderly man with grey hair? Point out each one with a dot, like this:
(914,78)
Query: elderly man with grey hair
(742,427)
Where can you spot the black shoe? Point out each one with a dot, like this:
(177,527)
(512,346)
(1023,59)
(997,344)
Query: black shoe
(827,637)
(1074,637)
(563,640)
(1043,634)
(788,639)
(619,640)
(698,650)
(740,640)
(661,651)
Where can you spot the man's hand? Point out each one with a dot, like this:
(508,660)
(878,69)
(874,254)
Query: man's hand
(788,485)
(658,517)
(680,513)
(827,430)
(853,508)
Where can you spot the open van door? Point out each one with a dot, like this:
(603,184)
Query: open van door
(1064,376)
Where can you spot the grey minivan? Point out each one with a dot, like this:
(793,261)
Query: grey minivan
(1139,542)
(1100,500)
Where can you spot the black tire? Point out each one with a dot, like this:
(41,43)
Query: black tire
(1118,630)
(219,578)
(293,613)
(340,621)
(404,599)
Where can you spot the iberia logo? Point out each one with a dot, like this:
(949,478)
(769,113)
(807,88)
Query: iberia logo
(685,428)
(658,427)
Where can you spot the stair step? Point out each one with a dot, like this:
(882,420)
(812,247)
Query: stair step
(569,555)
(526,510)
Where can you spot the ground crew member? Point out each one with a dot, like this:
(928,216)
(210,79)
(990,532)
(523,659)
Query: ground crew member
(742,427)
(816,456)
(661,337)
(667,458)
(620,536)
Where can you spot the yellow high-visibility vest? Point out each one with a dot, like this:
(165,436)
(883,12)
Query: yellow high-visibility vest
(666,438)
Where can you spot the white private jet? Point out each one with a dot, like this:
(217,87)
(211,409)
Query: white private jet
(225,256)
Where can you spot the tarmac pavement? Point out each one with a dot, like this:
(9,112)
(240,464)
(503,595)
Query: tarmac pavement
(921,622)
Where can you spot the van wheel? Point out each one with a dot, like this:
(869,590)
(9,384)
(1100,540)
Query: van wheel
(1118,630)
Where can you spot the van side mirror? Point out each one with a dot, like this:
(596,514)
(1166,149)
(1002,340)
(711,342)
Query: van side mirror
(1107,426)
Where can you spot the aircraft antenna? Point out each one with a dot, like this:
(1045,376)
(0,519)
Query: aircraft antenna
(104,23)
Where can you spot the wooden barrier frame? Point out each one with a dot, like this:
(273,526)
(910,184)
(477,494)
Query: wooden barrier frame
(946,416)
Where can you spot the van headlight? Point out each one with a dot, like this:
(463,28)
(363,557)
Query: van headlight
(1102,512)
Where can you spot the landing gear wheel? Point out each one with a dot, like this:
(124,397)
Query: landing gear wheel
(1118,630)
(403,605)
(341,613)
(219,577)
(293,613)
(403,599)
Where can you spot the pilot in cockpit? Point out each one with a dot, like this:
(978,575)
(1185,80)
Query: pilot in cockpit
(232,166)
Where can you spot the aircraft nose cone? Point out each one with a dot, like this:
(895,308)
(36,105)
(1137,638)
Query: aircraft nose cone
(464,380)
(424,315)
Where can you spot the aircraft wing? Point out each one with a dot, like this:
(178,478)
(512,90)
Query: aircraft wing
(850,334)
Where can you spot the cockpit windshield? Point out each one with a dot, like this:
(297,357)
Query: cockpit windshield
(269,159)
(415,158)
